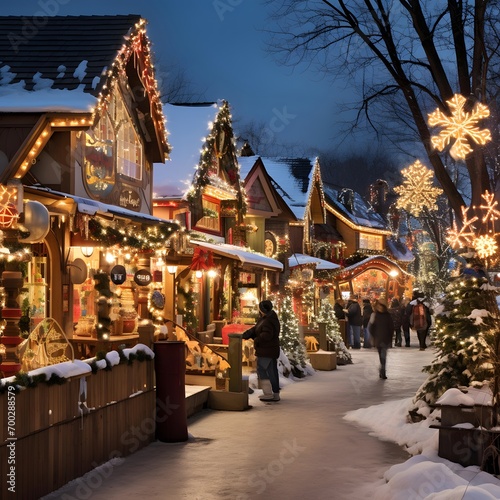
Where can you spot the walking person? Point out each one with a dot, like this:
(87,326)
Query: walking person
(405,320)
(366,313)
(420,318)
(397,317)
(355,321)
(382,330)
(265,335)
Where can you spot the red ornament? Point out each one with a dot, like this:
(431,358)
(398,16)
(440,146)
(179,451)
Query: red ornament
(8,215)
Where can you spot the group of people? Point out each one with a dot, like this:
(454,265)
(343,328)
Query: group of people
(379,323)
(382,324)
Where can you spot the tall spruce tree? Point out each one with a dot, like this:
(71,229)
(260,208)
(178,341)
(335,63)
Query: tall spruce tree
(294,349)
(465,339)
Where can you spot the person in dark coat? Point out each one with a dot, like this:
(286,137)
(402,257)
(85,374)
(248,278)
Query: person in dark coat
(382,330)
(355,321)
(265,335)
(405,320)
(397,318)
(367,312)
(338,308)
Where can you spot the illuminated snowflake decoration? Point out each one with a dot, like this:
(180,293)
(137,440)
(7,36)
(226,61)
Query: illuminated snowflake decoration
(417,191)
(460,126)
(459,238)
(485,246)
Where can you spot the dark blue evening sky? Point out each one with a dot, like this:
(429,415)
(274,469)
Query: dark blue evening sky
(221,47)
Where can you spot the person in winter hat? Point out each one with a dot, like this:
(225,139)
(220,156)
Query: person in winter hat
(354,321)
(265,335)
(381,329)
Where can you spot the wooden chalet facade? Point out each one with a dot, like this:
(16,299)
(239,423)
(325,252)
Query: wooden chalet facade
(81,126)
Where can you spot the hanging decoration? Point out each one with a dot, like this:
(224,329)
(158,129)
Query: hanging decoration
(417,191)
(461,126)
(202,260)
(478,232)
(156,303)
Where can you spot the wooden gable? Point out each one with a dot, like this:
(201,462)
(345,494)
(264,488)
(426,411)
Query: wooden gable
(61,80)
(217,176)
(261,195)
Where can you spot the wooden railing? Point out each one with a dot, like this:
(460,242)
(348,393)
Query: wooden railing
(52,434)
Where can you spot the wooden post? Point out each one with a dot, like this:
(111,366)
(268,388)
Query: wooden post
(234,358)
(323,343)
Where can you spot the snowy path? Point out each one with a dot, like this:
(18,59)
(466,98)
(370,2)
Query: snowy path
(300,448)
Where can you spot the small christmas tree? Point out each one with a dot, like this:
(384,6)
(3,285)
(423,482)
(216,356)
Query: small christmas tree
(465,339)
(326,315)
(294,349)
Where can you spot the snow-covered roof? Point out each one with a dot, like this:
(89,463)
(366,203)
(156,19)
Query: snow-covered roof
(292,178)
(16,99)
(187,127)
(244,255)
(361,215)
(62,52)
(374,259)
(399,250)
(299,259)
(92,207)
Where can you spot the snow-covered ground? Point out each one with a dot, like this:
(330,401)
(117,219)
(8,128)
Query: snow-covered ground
(424,475)
(337,435)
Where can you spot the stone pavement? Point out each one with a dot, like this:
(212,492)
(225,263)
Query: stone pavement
(299,448)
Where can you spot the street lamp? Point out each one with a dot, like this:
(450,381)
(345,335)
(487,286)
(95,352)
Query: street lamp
(172,261)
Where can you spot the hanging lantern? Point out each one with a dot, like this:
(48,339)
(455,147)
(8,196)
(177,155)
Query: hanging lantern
(36,221)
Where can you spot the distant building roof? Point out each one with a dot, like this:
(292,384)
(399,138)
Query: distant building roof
(358,212)
(292,178)
(399,250)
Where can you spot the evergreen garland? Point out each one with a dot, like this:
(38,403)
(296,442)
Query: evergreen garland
(466,326)
(128,235)
(294,349)
(189,310)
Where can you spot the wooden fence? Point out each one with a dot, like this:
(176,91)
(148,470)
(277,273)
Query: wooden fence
(47,440)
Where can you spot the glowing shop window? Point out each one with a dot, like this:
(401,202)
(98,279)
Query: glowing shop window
(129,148)
(370,241)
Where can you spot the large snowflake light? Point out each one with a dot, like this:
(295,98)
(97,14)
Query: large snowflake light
(483,238)
(417,191)
(460,126)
